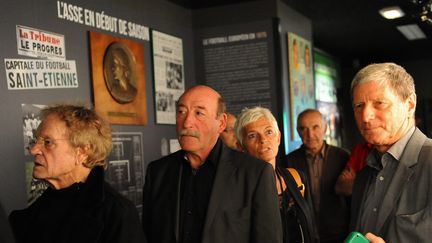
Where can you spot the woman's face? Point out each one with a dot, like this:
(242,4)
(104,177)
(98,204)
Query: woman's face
(261,140)
(55,160)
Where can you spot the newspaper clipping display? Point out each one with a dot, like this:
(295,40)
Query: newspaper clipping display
(168,75)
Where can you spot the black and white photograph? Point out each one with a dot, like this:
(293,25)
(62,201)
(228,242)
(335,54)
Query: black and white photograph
(125,171)
(169,80)
(30,122)
(174,75)
(165,102)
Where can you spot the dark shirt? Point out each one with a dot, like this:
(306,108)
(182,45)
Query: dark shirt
(315,164)
(196,187)
(384,166)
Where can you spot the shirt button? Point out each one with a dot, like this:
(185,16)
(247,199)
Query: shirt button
(374,209)
(381,178)
(189,212)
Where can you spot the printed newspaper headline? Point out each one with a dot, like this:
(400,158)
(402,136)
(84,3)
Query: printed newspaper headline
(24,74)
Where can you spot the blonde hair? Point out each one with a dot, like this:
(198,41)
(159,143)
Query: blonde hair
(86,130)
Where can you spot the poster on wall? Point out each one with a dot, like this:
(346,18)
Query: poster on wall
(169,80)
(125,171)
(31,120)
(326,78)
(331,116)
(118,79)
(302,92)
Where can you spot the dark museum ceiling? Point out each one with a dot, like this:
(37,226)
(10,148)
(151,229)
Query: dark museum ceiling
(353,29)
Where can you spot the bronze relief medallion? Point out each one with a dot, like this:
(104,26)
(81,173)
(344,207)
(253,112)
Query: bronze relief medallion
(119,66)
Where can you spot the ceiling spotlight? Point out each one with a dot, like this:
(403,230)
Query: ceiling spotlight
(392,12)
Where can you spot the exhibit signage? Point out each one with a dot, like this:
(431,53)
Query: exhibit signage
(101,20)
(38,43)
(40,74)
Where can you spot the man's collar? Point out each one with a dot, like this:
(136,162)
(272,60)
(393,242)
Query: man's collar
(397,149)
(322,151)
(214,155)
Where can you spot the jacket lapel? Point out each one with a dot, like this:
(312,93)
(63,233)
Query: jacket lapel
(225,170)
(402,175)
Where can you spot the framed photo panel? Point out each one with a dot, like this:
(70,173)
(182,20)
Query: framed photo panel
(168,69)
(302,91)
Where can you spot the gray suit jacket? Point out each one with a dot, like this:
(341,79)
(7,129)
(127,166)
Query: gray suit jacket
(243,206)
(405,215)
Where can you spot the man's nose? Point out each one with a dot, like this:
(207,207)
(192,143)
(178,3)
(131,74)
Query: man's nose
(35,148)
(309,133)
(368,113)
(188,119)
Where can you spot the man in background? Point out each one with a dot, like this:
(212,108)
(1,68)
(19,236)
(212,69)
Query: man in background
(228,135)
(322,163)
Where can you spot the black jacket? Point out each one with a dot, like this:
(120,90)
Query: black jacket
(90,212)
(243,205)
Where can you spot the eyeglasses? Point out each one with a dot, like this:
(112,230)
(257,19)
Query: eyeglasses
(46,142)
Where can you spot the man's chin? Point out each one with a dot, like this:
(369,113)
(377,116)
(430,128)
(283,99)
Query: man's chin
(372,138)
(188,144)
(38,176)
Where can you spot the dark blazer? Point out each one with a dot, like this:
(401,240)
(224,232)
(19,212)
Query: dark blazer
(405,214)
(93,213)
(243,206)
(5,230)
(333,218)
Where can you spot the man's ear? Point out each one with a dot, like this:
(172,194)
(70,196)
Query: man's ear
(82,154)
(222,122)
(412,103)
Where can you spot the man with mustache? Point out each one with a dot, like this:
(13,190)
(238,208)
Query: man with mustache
(322,163)
(392,194)
(207,192)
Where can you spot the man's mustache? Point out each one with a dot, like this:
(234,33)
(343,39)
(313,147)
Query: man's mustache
(186,132)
